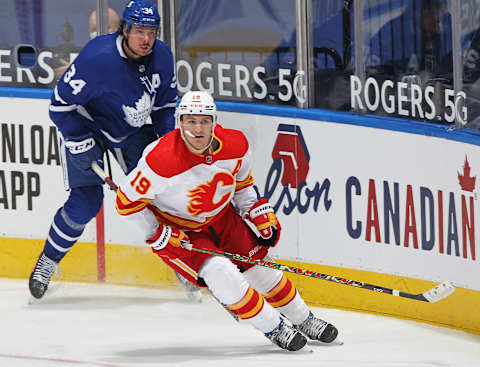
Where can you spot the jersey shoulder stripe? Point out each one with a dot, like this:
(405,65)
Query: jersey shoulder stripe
(125,206)
(249,181)
(234,144)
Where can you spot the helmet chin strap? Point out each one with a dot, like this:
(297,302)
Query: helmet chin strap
(128,46)
(195,150)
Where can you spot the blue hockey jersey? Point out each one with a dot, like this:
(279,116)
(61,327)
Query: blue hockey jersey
(106,92)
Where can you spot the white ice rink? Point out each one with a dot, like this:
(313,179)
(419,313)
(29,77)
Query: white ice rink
(91,325)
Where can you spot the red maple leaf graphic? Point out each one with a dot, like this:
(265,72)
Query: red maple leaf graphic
(467,182)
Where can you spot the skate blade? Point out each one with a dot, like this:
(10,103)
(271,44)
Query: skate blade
(54,289)
(335,343)
(306,349)
(32,301)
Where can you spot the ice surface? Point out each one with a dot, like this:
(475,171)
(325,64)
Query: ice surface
(98,325)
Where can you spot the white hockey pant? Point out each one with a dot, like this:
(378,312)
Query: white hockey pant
(230,286)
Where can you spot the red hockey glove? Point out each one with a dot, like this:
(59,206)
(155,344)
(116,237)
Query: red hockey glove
(167,242)
(261,214)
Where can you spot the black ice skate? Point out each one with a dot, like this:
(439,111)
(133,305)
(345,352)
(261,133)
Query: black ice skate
(41,275)
(287,337)
(317,329)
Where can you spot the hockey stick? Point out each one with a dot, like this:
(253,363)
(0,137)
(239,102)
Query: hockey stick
(101,173)
(434,294)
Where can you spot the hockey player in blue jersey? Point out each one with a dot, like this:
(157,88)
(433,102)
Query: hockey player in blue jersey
(119,95)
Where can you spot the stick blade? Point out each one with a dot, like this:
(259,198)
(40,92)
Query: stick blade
(439,292)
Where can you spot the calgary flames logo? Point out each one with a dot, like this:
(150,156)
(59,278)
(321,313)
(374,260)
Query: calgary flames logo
(203,196)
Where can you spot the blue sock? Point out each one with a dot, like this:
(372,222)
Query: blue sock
(63,234)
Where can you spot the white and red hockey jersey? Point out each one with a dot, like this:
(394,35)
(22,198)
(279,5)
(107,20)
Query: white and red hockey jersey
(188,191)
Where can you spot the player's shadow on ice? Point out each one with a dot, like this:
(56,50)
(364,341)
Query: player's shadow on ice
(99,302)
(172,354)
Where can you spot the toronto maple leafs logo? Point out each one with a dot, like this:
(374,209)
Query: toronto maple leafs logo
(137,116)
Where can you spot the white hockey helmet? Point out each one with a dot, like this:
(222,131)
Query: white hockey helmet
(197,103)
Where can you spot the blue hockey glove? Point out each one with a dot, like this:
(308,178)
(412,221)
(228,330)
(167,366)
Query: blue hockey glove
(82,151)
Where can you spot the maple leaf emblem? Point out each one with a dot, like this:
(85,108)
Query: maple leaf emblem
(467,182)
(137,116)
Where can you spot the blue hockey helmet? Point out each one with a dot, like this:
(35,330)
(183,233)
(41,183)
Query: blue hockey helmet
(142,13)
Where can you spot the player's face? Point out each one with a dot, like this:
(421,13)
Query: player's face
(197,130)
(141,39)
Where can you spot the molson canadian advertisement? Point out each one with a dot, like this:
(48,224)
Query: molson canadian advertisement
(368,198)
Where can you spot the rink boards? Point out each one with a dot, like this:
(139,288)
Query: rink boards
(395,206)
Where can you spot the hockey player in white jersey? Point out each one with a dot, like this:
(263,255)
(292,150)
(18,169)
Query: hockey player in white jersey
(119,94)
(183,189)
